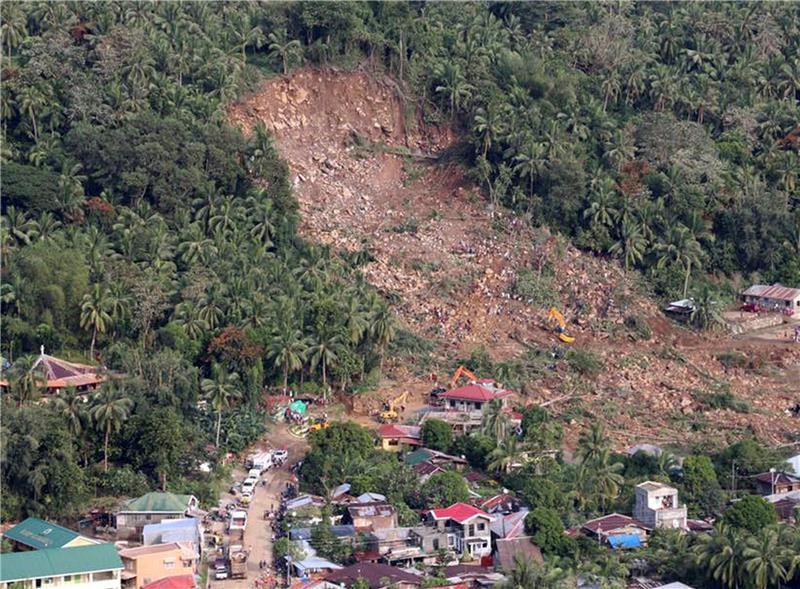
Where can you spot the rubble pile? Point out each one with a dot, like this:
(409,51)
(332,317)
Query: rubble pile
(451,263)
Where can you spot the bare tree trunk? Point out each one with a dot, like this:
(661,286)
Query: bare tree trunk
(219,424)
(94,339)
(686,279)
(105,449)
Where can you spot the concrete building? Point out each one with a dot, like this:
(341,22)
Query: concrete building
(657,506)
(394,438)
(96,566)
(474,396)
(152,508)
(376,515)
(37,534)
(466,529)
(146,564)
(187,529)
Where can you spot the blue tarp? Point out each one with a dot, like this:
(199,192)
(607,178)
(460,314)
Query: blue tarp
(625,541)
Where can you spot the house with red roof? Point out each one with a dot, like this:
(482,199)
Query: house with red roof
(393,438)
(176,582)
(53,375)
(465,527)
(474,396)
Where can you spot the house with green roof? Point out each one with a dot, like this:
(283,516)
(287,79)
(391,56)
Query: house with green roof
(153,508)
(96,566)
(38,534)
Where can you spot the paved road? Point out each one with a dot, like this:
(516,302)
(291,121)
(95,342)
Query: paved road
(258,535)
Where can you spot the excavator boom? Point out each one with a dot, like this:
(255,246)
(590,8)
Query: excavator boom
(461,371)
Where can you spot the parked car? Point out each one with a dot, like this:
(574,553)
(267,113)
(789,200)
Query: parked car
(220,569)
(279,456)
(254,473)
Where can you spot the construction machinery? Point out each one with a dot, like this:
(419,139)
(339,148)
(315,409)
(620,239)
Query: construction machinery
(319,423)
(462,371)
(562,325)
(390,414)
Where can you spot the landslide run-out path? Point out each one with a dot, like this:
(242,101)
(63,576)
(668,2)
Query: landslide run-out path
(448,264)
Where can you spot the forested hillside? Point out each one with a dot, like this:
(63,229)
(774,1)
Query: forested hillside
(141,230)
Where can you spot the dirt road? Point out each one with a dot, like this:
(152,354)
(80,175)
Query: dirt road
(258,535)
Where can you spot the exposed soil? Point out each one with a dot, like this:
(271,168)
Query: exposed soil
(366,176)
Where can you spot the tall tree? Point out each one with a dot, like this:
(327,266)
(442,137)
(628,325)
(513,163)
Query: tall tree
(221,392)
(110,409)
(95,313)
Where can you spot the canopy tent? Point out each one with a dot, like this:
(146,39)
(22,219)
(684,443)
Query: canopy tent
(298,407)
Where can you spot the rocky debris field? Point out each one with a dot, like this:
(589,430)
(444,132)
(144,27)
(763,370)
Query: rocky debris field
(366,177)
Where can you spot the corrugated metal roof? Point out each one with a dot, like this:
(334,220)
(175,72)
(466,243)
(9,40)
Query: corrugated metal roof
(776,291)
(18,566)
(39,534)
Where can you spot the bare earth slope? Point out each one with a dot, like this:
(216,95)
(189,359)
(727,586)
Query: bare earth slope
(450,265)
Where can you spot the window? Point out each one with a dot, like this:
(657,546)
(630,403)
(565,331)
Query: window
(169,563)
(436,543)
(481,527)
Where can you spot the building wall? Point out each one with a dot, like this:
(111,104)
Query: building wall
(151,567)
(104,580)
(378,522)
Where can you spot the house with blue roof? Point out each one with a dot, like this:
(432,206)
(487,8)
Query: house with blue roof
(185,529)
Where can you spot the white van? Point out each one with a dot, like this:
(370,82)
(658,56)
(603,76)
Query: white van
(254,473)
(249,485)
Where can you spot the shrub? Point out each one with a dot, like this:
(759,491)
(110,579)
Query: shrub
(584,362)
(638,327)
(534,289)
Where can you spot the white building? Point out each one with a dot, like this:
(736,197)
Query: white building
(657,506)
(95,566)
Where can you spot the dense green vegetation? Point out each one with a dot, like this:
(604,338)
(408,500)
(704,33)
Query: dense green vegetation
(144,233)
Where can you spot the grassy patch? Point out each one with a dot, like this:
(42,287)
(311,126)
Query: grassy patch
(584,362)
(638,328)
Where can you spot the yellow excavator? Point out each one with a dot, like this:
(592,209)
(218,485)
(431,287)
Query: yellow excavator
(390,414)
(320,423)
(562,325)
(461,371)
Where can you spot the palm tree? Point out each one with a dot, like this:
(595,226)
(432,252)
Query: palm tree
(601,210)
(382,329)
(509,452)
(679,247)
(356,319)
(494,422)
(453,85)
(592,443)
(489,124)
(110,409)
(221,391)
(606,478)
(721,555)
(281,46)
(12,29)
(95,313)
(288,350)
(706,314)
(324,350)
(530,162)
(31,102)
(630,246)
(24,383)
(764,557)
(71,405)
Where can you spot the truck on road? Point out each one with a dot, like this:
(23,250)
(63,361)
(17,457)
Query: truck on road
(237,556)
